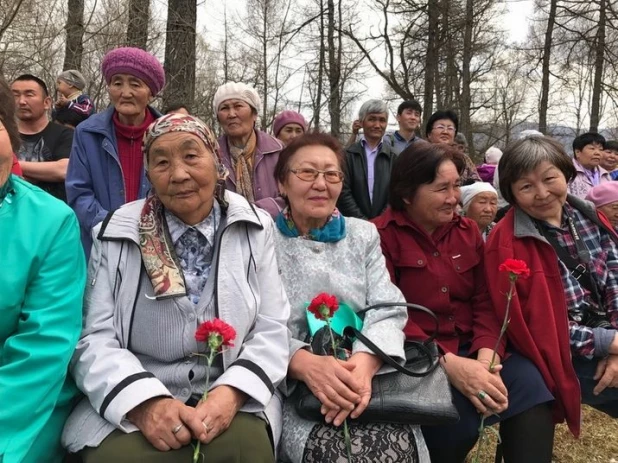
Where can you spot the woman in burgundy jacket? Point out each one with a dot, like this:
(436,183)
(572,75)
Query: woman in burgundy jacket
(436,259)
(565,316)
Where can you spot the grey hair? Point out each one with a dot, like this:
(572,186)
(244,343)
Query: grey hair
(527,154)
(372,107)
(461,139)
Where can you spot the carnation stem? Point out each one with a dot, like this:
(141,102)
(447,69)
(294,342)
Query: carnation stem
(211,358)
(505,325)
(346,431)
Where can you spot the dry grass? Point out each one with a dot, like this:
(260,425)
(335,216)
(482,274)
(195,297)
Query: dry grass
(598,442)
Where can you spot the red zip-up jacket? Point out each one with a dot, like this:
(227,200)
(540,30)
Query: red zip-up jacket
(539,325)
(444,273)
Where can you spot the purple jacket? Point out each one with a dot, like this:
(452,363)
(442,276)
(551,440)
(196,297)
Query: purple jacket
(486,172)
(581,184)
(265,190)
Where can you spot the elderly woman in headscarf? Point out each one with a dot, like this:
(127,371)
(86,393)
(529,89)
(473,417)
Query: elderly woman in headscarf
(42,280)
(161,266)
(605,199)
(105,168)
(249,154)
(479,202)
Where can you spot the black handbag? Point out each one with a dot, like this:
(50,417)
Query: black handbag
(417,393)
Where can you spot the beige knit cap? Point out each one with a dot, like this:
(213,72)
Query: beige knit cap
(236,91)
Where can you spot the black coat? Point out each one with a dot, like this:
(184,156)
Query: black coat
(354,199)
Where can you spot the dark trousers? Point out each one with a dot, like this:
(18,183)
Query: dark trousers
(525,423)
(606,401)
(245,441)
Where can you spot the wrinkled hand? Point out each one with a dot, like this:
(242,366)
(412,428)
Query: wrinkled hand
(156,418)
(607,374)
(470,377)
(356,126)
(329,379)
(365,368)
(219,409)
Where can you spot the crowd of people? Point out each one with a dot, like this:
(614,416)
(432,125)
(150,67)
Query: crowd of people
(124,230)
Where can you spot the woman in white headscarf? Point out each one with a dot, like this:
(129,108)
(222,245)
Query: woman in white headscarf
(479,202)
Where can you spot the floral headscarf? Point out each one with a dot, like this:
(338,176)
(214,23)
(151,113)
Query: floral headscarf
(175,122)
(158,254)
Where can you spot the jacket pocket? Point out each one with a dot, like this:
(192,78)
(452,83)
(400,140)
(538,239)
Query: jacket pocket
(410,258)
(464,261)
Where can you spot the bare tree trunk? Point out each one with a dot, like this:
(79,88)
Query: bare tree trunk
(599,60)
(551,21)
(226,63)
(466,99)
(264,40)
(334,74)
(318,96)
(74,46)
(139,17)
(180,52)
(431,61)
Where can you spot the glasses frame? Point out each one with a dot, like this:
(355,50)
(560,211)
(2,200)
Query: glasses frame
(317,173)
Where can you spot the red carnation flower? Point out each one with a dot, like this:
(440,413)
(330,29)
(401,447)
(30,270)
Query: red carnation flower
(516,268)
(216,333)
(323,306)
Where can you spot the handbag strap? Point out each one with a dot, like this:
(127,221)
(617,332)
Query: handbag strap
(433,362)
(409,305)
(421,346)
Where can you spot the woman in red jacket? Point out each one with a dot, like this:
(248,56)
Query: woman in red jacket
(436,259)
(565,315)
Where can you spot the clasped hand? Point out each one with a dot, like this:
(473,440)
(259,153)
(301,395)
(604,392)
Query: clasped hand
(159,417)
(343,387)
(470,377)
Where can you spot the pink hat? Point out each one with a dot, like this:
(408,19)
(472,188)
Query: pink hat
(288,117)
(605,193)
(137,63)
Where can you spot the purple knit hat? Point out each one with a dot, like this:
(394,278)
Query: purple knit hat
(605,193)
(135,62)
(288,117)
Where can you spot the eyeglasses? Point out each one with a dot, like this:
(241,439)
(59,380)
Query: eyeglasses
(307,174)
(441,128)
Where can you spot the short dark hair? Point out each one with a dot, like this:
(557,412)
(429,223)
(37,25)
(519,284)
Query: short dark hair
(409,104)
(7,114)
(525,155)
(175,107)
(30,77)
(418,165)
(442,114)
(308,139)
(588,138)
(611,145)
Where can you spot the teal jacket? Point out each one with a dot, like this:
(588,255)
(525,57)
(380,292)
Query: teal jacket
(42,280)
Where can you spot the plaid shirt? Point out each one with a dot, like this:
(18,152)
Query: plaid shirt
(604,269)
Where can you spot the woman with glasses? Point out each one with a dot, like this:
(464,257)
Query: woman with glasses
(442,127)
(318,251)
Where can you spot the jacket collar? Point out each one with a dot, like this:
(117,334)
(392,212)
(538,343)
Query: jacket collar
(122,224)
(580,168)
(265,144)
(359,149)
(523,224)
(102,123)
(400,219)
